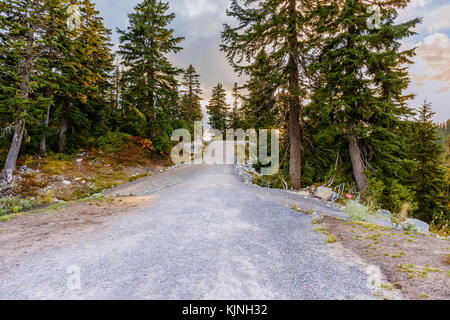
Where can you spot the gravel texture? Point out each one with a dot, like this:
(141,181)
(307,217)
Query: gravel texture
(206,235)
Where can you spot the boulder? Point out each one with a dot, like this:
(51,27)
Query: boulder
(303,193)
(385,213)
(416,225)
(382,222)
(324,193)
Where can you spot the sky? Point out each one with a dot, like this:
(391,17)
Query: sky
(201,22)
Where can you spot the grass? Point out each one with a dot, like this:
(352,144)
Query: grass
(425,296)
(424,273)
(16,205)
(386,286)
(331,239)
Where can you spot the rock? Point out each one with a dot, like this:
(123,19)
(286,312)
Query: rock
(416,225)
(23,169)
(8,174)
(385,213)
(382,222)
(66,182)
(304,193)
(324,193)
(334,196)
(79,160)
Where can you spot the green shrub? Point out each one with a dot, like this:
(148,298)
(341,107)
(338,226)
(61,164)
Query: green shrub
(373,196)
(395,196)
(357,211)
(113,142)
(276,181)
(16,205)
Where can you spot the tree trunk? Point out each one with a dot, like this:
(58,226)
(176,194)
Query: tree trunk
(295,146)
(10,164)
(294,102)
(62,135)
(63,127)
(357,164)
(19,129)
(43,147)
(43,143)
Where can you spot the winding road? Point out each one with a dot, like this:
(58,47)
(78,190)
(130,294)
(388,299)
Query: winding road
(206,235)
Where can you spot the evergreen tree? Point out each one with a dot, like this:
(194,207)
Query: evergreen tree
(218,109)
(261,109)
(21,44)
(190,100)
(86,63)
(429,176)
(359,102)
(236,117)
(56,15)
(148,79)
(281,28)
(447,173)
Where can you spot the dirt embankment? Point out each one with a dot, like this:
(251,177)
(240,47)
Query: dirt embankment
(59,225)
(66,178)
(415,264)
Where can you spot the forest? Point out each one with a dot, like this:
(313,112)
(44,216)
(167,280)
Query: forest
(331,81)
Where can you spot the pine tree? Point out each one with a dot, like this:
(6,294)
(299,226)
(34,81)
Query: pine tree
(56,16)
(281,28)
(148,79)
(447,173)
(218,109)
(260,108)
(86,63)
(21,28)
(428,177)
(360,101)
(190,100)
(236,117)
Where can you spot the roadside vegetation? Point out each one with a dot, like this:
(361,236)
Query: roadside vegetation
(404,257)
(75,113)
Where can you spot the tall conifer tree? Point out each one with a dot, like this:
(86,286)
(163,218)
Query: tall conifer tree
(429,175)
(360,100)
(281,28)
(149,79)
(218,109)
(21,71)
(190,100)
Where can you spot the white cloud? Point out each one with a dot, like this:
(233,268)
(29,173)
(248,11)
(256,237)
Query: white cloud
(418,4)
(196,7)
(436,20)
(435,53)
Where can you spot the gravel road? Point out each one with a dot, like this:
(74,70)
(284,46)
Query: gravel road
(206,235)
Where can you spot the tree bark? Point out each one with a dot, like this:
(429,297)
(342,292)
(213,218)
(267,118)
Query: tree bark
(357,164)
(43,143)
(63,127)
(294,102)
(62,135)
(10,164)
